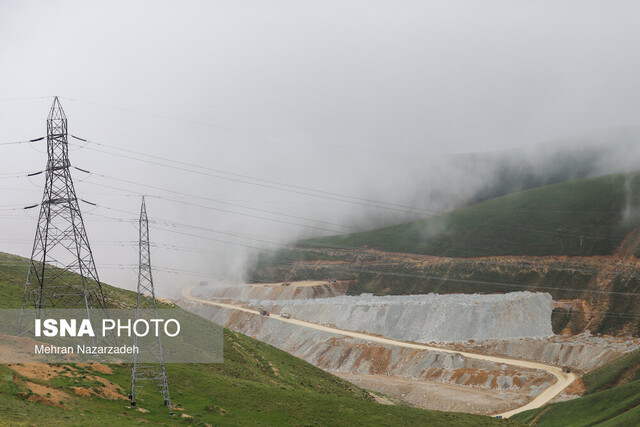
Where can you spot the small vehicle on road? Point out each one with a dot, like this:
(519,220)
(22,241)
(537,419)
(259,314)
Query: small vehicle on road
(264,312)
(566,369)
(285,315)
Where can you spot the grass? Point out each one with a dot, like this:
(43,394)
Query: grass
(612,398)
(579,218)
(619,406)
(622,370)
(13,274)
(256,385)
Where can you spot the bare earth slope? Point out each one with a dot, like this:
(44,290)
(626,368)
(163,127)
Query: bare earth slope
(562,379)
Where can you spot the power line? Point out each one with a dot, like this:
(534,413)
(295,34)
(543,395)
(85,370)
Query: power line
(10,175)
(404,208)
(182,194)
(216,240)
(246,179)
(213,208)
(178,248)
(155,221)
(249,132)
(26,141)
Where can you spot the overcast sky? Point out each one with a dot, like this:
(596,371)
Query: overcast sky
(349,97)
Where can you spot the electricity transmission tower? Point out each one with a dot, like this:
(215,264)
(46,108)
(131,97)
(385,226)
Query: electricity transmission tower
(151,346)
(61,246)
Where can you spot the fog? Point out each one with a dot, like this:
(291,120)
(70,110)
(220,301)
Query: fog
(305,118)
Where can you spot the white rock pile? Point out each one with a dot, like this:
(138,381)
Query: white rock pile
(432,317)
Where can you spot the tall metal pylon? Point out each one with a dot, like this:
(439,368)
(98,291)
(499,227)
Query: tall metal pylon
(155,372)
(61,244)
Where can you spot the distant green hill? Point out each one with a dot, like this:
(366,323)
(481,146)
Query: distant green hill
(256,385)
(584,217)
(612,399)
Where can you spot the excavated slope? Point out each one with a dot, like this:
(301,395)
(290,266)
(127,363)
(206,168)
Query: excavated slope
(581,352)
(341,354)
(429,318)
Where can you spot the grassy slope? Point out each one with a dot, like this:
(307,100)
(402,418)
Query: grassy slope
(619,406)
(257,384)
(542,221)
(612,398)
(623,370)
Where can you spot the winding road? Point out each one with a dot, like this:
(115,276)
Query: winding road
(563,379)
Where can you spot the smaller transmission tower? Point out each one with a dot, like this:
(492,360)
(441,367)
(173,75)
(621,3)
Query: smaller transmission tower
(155,372)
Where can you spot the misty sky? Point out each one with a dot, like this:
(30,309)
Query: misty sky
(359,98)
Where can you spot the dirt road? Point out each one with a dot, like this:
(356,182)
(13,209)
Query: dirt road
(563,380)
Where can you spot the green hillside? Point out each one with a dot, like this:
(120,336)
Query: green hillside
(256,385)
(582,217)
(621,371)
(612,398)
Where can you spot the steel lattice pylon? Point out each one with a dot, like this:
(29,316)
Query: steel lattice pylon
(151,346)
(61,244)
